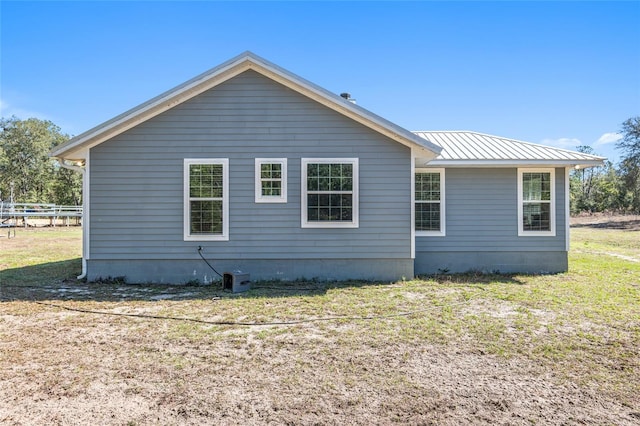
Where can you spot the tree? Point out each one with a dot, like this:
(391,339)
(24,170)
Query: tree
(630,164)
(595,189)
(25,162)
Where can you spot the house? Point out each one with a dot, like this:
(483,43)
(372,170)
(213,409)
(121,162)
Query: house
(270,174)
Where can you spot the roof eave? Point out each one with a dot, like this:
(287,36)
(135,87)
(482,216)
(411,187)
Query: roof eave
(576,163)
(218,75)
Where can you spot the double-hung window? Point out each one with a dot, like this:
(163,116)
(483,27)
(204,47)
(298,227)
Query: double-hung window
(271,180)
(429,202)
(206,199)
(536,202)
(329,192)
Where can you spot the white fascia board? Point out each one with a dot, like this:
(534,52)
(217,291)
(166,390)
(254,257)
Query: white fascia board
(513,163)
(224,72)
(348,109)
(151,108)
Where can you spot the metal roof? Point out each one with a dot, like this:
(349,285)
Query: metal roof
(472,148)
(76,148)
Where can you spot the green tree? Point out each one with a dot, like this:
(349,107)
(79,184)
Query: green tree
(630,164)
(67,188)
(596,189)
(25,162)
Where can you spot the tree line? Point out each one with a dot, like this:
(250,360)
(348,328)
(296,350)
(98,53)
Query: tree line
(612,188)
(27,171)
(36,178)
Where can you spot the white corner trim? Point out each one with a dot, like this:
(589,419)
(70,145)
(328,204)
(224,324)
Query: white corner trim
(552,216)
(259,198)
(225,200)
(567,209)
(443,205)
(304,223)
(412,207)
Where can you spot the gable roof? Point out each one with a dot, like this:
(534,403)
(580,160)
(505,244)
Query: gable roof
(75,148)
(464,148)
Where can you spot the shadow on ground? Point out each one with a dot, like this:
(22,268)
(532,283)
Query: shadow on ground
(625,225)
(56,281)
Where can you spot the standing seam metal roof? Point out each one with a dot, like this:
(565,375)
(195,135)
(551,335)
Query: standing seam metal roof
(473,146)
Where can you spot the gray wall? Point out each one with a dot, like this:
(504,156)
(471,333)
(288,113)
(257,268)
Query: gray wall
(482,227)
(137,180)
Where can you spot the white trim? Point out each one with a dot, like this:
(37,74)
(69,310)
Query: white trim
(355,193)
(567,208)
(224,236)
(552,202)
(515,163)
(412,207)
(84,171)
(231,68)
(443,225)
(259,198)
(86,208)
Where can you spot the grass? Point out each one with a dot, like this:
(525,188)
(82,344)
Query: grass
(448,349)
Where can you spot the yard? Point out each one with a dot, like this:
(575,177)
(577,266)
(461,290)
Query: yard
(473,349)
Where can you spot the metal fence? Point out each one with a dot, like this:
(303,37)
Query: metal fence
(12,213)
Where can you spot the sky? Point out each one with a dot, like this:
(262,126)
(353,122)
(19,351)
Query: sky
(557,73)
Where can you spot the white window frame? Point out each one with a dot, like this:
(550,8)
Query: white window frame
(282,198)
(443,225)
(552,215)
(354,223)
(224,236)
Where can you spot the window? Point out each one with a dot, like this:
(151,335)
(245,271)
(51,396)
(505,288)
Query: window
(429,202)
(536,202)
(329,192)
(206,199)
(271,180)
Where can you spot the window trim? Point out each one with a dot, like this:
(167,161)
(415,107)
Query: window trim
(259,198)
(354,223)
(443,225)
(224,236)
(552,215)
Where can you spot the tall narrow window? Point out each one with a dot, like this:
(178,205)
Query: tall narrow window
(329,192)
(536,202)
(206,199)
(271,180)
(429,202)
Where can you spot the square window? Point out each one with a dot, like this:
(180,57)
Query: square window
(330,193)
(270,180)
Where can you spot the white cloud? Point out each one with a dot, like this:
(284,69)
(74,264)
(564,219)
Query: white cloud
(7,110)
(608,138)
(566,143)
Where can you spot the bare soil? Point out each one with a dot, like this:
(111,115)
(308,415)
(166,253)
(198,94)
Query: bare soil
(606,221)
(72,368)
(60,366)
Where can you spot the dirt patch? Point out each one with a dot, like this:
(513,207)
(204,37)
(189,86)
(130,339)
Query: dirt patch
(606,221)
(75,368)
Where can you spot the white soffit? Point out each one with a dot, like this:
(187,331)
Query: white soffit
(76,147)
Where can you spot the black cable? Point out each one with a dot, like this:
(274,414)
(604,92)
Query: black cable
(205,261)
(235,323)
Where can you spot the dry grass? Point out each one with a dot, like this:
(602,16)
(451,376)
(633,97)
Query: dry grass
(556,349)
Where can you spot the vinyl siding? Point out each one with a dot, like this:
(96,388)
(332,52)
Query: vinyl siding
(482,214)
(137,179)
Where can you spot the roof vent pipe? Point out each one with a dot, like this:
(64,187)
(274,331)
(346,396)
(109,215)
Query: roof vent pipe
(348,97)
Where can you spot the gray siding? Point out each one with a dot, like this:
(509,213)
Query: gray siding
(137,179)
(482,217)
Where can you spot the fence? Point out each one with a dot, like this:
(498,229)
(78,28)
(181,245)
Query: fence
(11,213)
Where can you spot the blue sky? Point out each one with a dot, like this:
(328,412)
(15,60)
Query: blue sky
(558,73)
